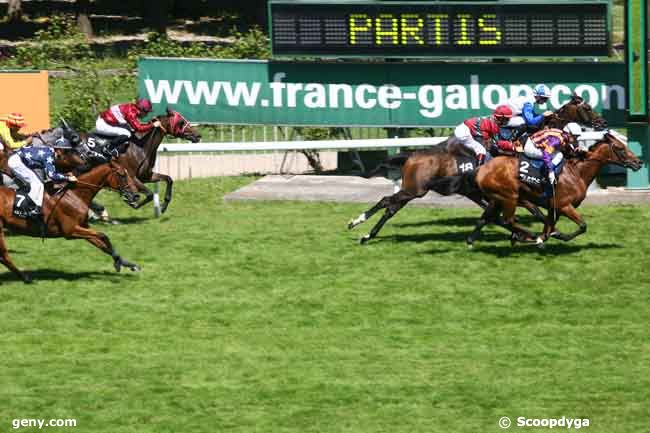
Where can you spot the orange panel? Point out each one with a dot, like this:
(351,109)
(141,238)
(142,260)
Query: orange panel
(26,93)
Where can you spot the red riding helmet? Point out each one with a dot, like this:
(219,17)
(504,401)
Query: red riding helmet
(502,112)
(144,105)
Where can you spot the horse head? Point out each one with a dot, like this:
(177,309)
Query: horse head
(612,148)
(580,111)
(174,124)
(69,160)
(120,180)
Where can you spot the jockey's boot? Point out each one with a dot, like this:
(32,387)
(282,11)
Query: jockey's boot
(118,145)
(36,214)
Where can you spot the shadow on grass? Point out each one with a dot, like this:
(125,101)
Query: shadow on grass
(550,248)
(441,237)
(122,221)
(55,274)
(462,222)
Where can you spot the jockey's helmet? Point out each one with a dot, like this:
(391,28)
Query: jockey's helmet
(144,105)
(542,91)
(15,120)
(573,128)
(62,143)
(502,114)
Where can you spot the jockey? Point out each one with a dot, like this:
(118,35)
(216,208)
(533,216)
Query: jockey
(26,159)
(547,145)
(523,113)
(121,120)
(477,133)
(9,135)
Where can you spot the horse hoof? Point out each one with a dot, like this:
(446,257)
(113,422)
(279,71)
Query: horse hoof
(118,265)
(27,279)
(350,224)
(470,246)
(135,268)
(364,239)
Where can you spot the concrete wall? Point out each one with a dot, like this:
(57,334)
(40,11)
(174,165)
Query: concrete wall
(188,166)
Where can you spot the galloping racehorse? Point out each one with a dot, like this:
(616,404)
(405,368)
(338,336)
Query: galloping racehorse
(66,213)
(498,181)
(140,156)
(440,161)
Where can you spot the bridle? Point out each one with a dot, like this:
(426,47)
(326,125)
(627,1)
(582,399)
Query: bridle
(621,157)
(175,120)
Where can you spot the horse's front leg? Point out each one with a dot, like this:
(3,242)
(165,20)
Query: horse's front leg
(101,241)
(157,177)
(571,213)
(147,192)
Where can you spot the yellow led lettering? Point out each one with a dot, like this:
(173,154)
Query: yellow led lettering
(464,40)
(437,20)
(414,30)
(386,25)
(359,23)
(488,30)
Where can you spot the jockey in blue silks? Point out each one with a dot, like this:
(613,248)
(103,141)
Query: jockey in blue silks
(523,109)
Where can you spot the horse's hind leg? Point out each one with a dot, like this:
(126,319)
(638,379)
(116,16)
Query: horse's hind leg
(396,202)
(157,177)
(6,260)
(489,215)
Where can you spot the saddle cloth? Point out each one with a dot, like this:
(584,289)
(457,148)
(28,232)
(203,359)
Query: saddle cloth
(465,164)
(22,203)
(533,171)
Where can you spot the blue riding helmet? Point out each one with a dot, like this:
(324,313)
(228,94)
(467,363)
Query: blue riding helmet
(542,91)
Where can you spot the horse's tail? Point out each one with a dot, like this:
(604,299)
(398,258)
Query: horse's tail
(462,184)
(393,162)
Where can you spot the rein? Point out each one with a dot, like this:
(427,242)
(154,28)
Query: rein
(63,189)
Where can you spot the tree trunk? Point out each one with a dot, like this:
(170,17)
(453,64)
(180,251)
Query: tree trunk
(83,19)
(15,10)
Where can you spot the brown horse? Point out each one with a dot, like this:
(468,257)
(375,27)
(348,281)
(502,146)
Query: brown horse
(440,161)
(66,213)
(498,181)
(140,156)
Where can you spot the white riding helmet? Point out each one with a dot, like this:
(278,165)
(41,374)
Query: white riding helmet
(573,129)
(542,91)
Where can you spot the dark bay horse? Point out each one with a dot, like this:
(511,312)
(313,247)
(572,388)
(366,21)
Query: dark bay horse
(66,213)
(439,161)
(499,182)
(140,156)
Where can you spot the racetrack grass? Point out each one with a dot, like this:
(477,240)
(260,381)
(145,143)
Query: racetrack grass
(268,317)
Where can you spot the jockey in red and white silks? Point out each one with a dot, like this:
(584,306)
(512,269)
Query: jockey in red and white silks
(123,119)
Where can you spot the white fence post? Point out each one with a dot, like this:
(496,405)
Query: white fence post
(156,194)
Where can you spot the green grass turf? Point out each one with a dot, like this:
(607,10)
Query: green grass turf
(268,317)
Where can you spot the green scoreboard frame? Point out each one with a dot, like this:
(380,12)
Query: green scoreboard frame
(636,60)
(402,29)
